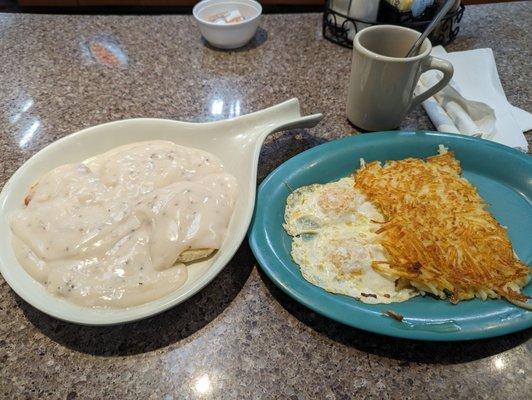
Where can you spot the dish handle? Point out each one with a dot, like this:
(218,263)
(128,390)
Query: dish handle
(283,116)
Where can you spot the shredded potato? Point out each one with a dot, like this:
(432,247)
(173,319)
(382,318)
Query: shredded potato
(438,234)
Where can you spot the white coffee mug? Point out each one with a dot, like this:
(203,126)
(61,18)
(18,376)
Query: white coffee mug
(382,81)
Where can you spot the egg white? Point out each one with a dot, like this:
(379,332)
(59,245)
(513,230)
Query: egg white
(335,241)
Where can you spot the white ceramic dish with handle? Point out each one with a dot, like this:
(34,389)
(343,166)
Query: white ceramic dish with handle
(236,142)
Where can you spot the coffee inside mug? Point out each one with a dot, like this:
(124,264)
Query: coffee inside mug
(390,41)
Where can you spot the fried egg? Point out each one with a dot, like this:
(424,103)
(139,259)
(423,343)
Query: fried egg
(335,242)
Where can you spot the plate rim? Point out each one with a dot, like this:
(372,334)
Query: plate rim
(257,240)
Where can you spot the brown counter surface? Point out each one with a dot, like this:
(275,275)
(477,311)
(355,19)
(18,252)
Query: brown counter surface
(240,337)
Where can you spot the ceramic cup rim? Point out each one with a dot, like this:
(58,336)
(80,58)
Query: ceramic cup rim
(376,56)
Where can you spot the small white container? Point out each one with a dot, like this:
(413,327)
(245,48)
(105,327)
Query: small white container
(361,10)
(227,36)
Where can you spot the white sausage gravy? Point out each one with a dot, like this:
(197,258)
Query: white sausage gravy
(109,232)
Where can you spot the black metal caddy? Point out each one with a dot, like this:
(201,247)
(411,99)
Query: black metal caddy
(338,32)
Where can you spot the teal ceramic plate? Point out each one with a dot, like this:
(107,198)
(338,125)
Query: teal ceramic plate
(503,177)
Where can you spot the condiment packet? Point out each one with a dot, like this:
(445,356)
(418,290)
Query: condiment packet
(227,17)
(233,17)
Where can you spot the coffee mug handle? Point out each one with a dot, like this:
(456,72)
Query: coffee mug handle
(441,65)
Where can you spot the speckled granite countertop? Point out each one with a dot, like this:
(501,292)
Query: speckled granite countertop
(240,337)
